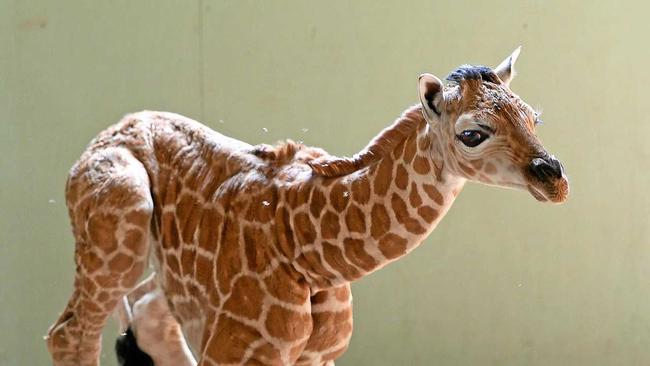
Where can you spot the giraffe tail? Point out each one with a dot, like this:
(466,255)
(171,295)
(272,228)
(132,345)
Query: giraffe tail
(128,352)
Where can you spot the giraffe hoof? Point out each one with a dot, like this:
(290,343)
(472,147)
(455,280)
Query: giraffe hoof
(128,352)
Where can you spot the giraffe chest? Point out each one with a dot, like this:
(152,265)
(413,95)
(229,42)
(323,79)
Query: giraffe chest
(210,263)
(210,233)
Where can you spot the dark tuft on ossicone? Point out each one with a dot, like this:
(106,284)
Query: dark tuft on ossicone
(472,72)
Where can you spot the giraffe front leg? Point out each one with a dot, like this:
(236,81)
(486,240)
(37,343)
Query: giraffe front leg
(233,340)
(332,317)
(259,323)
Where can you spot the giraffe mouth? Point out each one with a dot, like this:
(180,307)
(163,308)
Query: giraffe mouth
(555,191)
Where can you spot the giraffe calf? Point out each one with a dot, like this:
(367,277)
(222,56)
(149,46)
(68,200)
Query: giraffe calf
(255,247)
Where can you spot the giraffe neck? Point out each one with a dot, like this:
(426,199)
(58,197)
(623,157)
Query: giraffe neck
(361,221)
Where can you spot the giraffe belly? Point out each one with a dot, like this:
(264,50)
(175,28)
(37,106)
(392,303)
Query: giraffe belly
(190,317)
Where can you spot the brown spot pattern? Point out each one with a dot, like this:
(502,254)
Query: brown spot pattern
(285,232)
(169,237)
(401,177)
(255,241)
(304,229)
(428,213)
(228,262)
(399,149)
(246,298)
(467,170)
(410,149)
(380,221)
(339,197)
(392,245)
(414,196)
(101,231)
(356,253)
(329,225)
(334,257)
(318,201)
(134,240)
(312,260)
(138,218)
(361,190)
(204,271)
(333,326)
(231,340)
(210,230)
(187,261)
(284,286)
(188,214)
(421,165)
(402,215)
(434,194)
(384,177)
(355,219)
(121,262)
(286,324)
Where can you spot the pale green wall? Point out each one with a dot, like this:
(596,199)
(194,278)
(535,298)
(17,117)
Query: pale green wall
(504,280)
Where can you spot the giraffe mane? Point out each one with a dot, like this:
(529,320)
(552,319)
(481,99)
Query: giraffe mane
(379,147)
(286,152)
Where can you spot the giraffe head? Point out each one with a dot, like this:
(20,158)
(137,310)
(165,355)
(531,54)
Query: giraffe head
(487,133)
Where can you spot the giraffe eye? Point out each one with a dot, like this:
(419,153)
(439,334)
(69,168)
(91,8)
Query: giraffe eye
(472,138)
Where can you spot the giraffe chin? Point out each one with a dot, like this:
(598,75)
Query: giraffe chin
(554,192)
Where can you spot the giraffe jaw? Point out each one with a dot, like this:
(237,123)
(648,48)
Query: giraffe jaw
(555,192)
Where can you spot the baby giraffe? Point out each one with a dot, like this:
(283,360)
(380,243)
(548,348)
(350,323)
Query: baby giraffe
(254,247)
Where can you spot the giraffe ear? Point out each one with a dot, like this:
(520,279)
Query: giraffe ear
(431,97)
(506,69)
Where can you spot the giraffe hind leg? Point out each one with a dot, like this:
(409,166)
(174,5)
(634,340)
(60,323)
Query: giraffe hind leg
(110,206)
(152,332)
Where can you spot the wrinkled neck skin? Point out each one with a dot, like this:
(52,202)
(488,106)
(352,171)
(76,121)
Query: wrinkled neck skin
(377,214)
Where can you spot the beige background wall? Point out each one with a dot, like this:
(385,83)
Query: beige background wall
(504,280)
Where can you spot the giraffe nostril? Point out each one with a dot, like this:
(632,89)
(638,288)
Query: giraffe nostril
(558,168)
(545,169)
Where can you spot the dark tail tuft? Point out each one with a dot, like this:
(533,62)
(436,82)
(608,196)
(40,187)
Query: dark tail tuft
(128,352)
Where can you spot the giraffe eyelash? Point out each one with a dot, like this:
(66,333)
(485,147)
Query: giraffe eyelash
(486,127)
(538,114)
(538,120)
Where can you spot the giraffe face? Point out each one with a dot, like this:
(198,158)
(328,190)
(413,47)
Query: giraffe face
(488,132)
(493,141)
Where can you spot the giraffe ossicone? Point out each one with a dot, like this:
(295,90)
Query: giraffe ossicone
(254,247)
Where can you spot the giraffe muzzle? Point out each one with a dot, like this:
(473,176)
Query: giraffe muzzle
(549,181)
